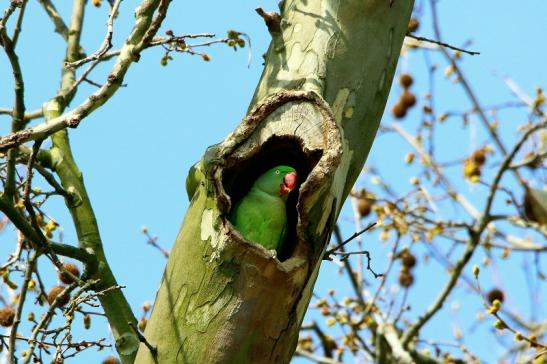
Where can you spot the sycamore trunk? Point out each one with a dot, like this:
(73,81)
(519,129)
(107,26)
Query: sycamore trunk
(317,107)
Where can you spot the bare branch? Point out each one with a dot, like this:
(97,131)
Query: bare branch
(7,14)
(152,240)
(105,46)
(18,113)
(18,23)
(346,255)
(31,266)
(471,210)
(28,115)
(474,240)
(49,315)
(143,340)
(331,251)
(442,44)
(128,54)
(316,358)
(503,168)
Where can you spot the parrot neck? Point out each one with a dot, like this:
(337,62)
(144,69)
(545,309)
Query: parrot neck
(259,190)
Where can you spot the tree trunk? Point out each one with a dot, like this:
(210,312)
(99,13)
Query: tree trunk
(317,107)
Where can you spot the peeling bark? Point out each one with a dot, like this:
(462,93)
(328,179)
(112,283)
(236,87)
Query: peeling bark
(317,107)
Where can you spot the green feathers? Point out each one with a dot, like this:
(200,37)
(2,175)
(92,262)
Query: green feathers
(261,215)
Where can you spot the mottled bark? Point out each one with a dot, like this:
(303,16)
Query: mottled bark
(317,107)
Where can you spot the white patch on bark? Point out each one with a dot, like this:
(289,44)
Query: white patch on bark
(207,229)
(340,103)
(208,232)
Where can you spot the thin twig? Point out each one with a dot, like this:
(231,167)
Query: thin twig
(28,115)
(15,256)
(316,358)
(46,319)
(130,53)
(143,340)
(372,303)
(28,180)
(105,46)
(474,240)
(18,113)
(366,253)
(92,83)
(471,210)
(347,265)
(504,324)
(83,77)
(442,44)
(18,23)
(31,266)
(467,88)
(7,14)
(330,251)
(327,348)
(26,199)
(515,89)
(503,168)
(152,240)
(49,177)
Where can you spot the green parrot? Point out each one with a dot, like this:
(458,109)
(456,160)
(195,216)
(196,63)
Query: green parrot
(261,215)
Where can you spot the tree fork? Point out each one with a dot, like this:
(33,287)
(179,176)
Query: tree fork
(317,107)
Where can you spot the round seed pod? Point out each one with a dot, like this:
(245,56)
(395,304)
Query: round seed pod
(7,315)
(111,360)
(364,206)
(73,269)
(408,260)
(408,99)
(413,24)
(406,80)
(406,279)
(495,294)
(399,110)
(56,291)
(479,157)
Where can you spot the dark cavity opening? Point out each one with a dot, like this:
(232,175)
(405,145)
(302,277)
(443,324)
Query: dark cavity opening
(240,174)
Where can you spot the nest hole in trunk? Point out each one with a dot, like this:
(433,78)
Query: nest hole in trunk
(240,173)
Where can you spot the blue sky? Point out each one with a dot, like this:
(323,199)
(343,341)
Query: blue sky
(135,151)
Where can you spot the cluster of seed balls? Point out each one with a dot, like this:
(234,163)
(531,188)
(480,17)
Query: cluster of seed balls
(66,279)
(472,166)
(408,262)
(7,313)
(407,98)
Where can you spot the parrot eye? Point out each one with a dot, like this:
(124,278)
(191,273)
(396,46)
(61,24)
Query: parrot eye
(277,171)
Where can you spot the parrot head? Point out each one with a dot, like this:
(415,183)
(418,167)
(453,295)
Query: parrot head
(280,180)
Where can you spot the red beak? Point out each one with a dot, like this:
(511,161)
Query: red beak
(289,183)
